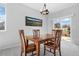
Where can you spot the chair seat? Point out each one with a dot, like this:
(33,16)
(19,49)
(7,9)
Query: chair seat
(30,48)
(51,45)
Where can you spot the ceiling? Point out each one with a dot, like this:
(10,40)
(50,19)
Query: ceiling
(52,7)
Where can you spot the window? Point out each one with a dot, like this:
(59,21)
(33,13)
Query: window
(2,18)
(64,24)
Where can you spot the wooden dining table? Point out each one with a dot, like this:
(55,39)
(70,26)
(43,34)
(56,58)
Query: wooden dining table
(38,41)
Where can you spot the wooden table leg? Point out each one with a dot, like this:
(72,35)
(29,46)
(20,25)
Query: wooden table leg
(37,43)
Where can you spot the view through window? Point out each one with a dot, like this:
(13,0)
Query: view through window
(65,25)
(2,17)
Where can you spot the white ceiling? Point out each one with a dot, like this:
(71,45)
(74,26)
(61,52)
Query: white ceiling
(52,7)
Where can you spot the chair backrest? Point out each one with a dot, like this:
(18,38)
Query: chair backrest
(58,34)
(24,42)
(53,33)
(36,33)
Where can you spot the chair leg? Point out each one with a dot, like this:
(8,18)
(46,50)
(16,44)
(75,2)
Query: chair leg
(21,53)
(44,50)
(32,53)
(25,54)
(54,52)
(59,51)
(50,49)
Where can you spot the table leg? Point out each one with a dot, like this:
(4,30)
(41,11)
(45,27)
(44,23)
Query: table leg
(37,43)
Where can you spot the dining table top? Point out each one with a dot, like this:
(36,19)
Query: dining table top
(42,38)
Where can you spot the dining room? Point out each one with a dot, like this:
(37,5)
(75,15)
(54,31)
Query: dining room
(29,29)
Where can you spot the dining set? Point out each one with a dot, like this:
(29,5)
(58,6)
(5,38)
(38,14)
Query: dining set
(51,42)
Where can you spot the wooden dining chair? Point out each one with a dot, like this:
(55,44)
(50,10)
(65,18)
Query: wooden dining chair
(25,46)
(54,44)
(36,33)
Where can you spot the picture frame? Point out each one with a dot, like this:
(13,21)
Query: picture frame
(31,21)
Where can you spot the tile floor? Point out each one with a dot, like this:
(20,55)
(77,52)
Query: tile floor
(67,49)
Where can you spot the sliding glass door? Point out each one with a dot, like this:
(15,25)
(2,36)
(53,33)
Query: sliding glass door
(64,24)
